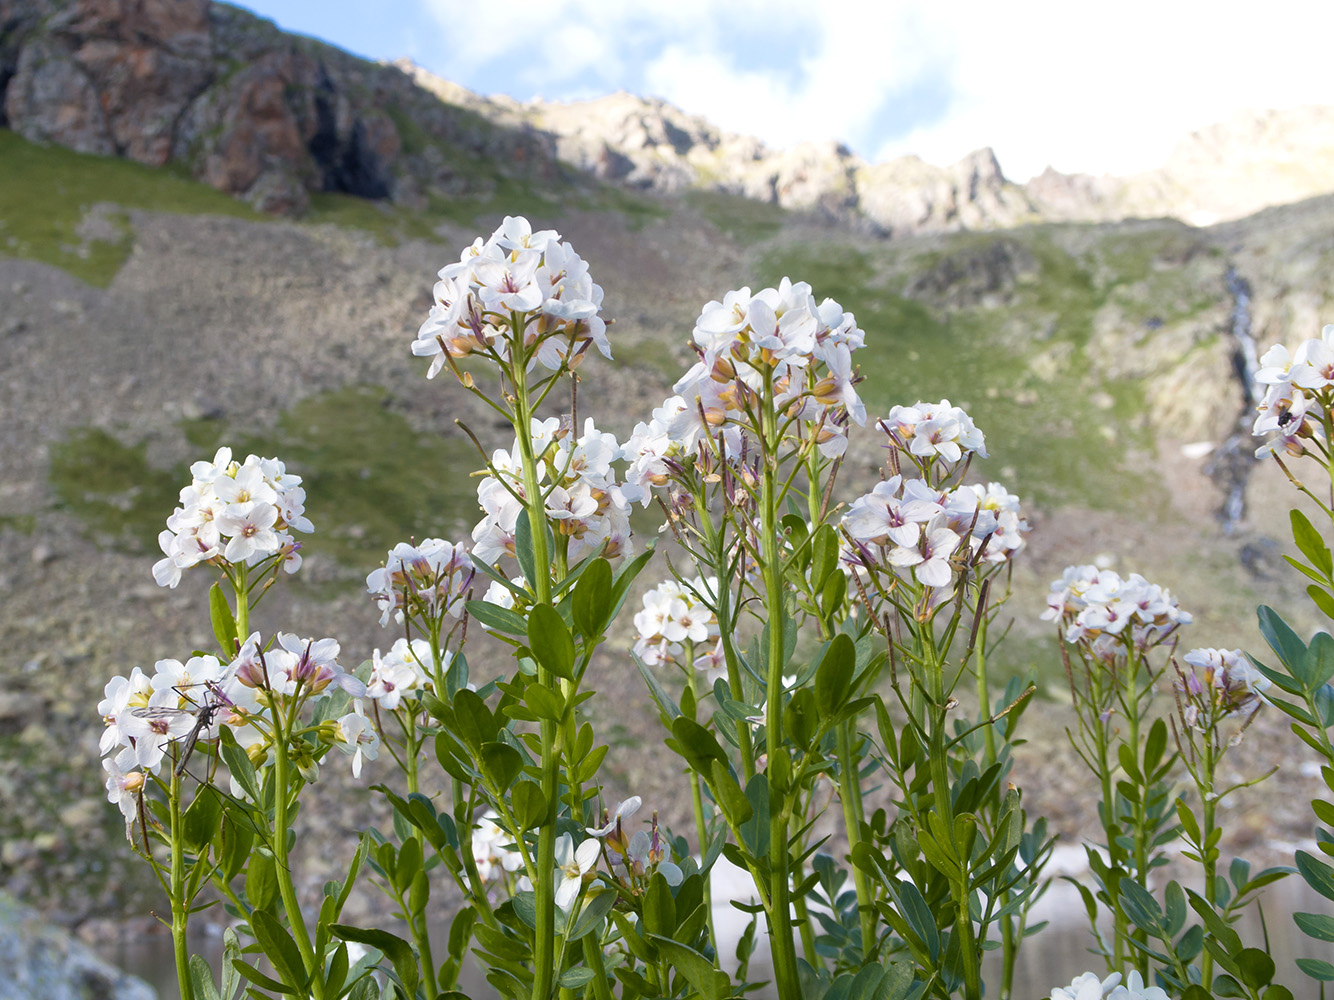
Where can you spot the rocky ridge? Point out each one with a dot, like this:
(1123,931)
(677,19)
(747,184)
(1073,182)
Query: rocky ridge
(264,115)
(273,118)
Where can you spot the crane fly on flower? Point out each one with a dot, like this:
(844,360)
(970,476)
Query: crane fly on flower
(203,714)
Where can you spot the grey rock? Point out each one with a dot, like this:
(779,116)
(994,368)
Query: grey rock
(39,960)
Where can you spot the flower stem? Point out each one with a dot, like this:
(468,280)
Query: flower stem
(544,952)
(850,795)
(281,858)
(180,906)
(786,976)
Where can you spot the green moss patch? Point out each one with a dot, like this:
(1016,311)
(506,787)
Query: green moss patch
(1058,432)
(112,489)
(744,220)
(370,479)
(45,191)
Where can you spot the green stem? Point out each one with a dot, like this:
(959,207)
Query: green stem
(282,860)
(716,543)
(850,795)
(943,806)
(1140,808)
(1208,852)
(180,905)
(786,976)
(1110,830)
(544,890)
(242,594)
(697,800)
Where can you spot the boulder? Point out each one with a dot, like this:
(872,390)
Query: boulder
(38,959)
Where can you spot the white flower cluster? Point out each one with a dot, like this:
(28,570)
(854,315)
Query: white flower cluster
(1221,682)
(400,672)
(673,615)
(923,527)
(779,335)
(1099,608)
(1090,987)
(583,499)
(934,433)
(1295,382)
(239,512)
(426,581)
(515,271)
(145,714)
(492,849)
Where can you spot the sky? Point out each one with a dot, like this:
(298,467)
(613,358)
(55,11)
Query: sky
(1082,85)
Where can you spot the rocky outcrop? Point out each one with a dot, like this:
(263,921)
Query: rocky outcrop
(274,117)
(255,112)
(1235,168)
(38,959)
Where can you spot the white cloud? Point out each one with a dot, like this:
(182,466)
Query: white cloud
(1092,87)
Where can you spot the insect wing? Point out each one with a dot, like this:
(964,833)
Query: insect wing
(160,712)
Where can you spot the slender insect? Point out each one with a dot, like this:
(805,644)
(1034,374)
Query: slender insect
(203,715)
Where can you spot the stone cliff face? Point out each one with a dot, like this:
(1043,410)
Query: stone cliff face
(273,117)
(252,111)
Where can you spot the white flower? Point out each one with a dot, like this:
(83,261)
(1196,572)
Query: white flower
(1086,987)
(572,865)
(357,737)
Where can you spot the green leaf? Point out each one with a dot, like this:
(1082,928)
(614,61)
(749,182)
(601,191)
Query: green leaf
(659,909)
(550,641)
(1282,640)
(1257,968)
(755,831)
(1155,746)
(529,804)
(398,951)
(261,881)
(696,744)
(1319,876)
(501,764)
(1318,666)
(1188,822)
(525,907)
(572,979)
(280,949)
(496,618)
(1321,598)
(238,764)
(201,976)
(473,721)
(595,909)
(523,547)
(259,979)
(824,555)
(234,845)
(202,819)
(833,677)
(1317,968)
(544,702)
(731,799)
(224,622)
(832,595)
(700,972)
(913,906)
(590,604)
(337,974)
(588,767)
(1309,542)
(1315,925)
